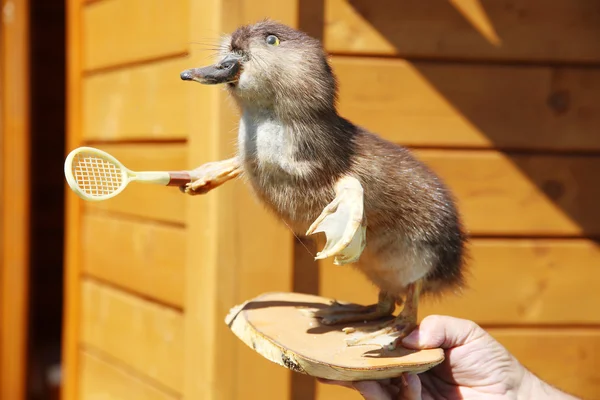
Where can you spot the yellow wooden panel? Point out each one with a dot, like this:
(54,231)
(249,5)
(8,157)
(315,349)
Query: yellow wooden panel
(236,250)
(147,101)
(561,30)
(146,258)
(126,31)
(71,292)
(142,335)
(264,265)
(520,194)
(15,209)
(564,358)
(154,202)
(510,282)
(432,104)
(101,380)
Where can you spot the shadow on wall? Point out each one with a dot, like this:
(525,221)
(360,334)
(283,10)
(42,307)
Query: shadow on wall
(550,103)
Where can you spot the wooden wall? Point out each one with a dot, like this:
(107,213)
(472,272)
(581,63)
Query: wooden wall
(15,192)
(152,273)
(501,98)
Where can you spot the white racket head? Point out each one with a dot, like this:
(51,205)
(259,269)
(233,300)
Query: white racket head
(95,175)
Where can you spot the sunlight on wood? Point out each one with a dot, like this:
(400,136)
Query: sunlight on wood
(347,25)
(556,283)
(475,13)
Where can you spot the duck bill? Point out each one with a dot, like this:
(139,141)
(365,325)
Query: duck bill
(225,71)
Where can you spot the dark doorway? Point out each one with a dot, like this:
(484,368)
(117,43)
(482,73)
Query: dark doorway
(47,124)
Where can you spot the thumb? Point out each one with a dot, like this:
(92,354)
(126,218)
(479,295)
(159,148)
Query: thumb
(438,331)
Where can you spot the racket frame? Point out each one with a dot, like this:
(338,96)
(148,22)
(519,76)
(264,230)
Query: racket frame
(164,178)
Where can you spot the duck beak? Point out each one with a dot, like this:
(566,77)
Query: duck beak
(225,71)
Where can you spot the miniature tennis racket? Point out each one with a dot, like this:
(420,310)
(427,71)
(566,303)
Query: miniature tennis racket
(95,175)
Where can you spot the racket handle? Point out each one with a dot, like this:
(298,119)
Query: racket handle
(179,178)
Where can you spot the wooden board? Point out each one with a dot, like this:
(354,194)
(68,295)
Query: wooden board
(263,265)
(515,194)
(142,335)
(275,325)
(140,30)
(154,202)
(446,105)
(14,197)
(561,31)
(571,365)
(482,106)
(527,281)
(73,207)
(224,243)
(521,194)
(147,101)
(146,258)
(102,379)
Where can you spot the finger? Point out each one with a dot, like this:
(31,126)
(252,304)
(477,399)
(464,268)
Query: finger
(437,331)
(412,390)
(372,390)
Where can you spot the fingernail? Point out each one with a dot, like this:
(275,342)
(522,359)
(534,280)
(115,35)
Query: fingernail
(411,380)
(412,339)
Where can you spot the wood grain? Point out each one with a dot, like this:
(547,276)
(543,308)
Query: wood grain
(447,105)
(147,101)
(140,30)
(563,31)
(14,200)
(227,243)
(142,335)
(481,106)
(303,345)
(153,202)
(101,379)
(150,259)
(565,358)
(73,206)
(524,281)
(521,194)
(270,257)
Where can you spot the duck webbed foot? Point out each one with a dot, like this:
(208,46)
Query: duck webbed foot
(390,334)
(343,223)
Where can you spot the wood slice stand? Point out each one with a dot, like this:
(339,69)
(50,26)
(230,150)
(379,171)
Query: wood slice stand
(277,326)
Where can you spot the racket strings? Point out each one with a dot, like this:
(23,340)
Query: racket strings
(96,176)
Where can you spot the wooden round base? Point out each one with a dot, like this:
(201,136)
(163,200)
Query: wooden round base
(278,327)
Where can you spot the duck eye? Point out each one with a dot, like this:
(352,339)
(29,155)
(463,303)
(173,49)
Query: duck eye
(272,40)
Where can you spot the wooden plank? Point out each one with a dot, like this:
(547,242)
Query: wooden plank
(71,300)
(224,247)
(142,335)
(101,379)
(154,202)
(141,102)
(265,264)
(159,29)
(150,259)
(521,194)
(517,282)
(250,11)
(564,358)
(563,31)
(483,106)
(14,200)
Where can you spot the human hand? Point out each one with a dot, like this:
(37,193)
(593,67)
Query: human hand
(476,366)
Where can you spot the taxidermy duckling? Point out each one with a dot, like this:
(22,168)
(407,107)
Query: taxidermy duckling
(381,209)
